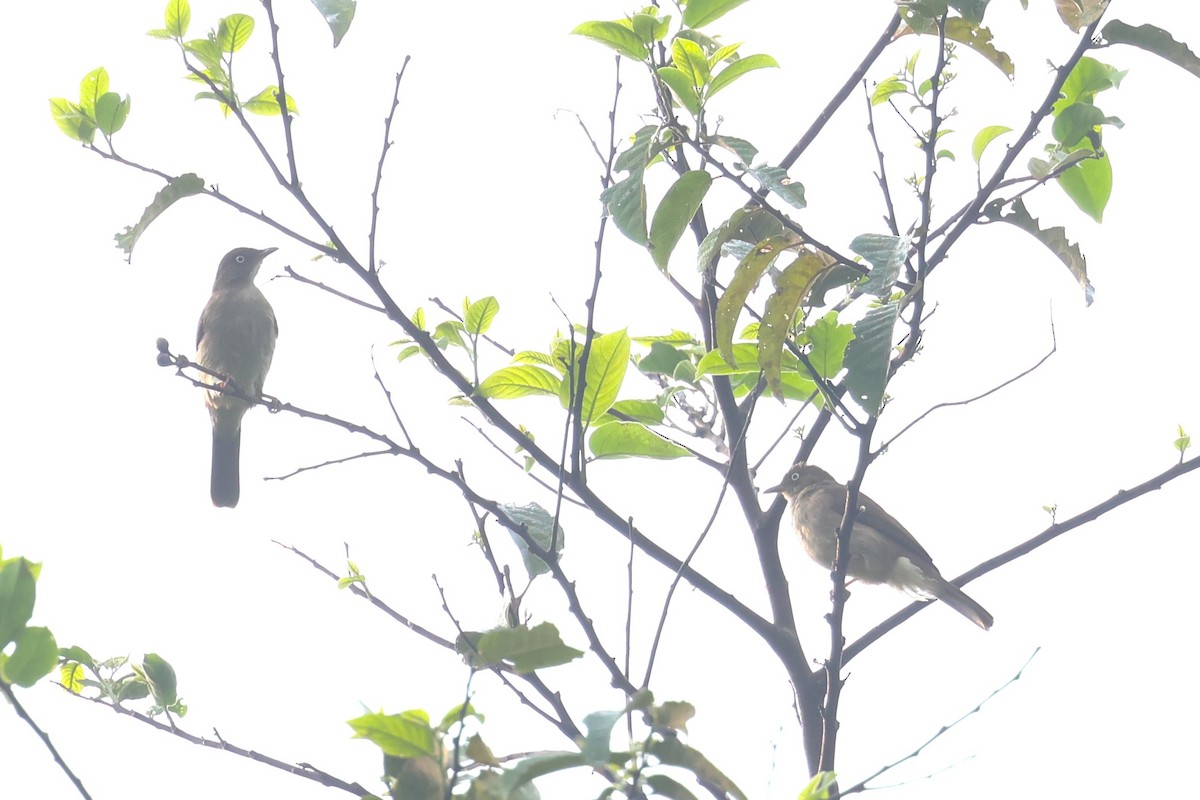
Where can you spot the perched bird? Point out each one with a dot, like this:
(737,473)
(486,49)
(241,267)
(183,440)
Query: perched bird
(235,339)
(881,549)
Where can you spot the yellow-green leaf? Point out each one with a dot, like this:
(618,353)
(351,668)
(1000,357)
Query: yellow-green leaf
(675,213)
(790,288)
(745,278)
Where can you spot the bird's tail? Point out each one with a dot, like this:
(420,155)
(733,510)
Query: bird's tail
(957,599)
(226,482)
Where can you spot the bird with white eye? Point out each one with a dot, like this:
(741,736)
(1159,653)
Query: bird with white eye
(235,340)
(881,549)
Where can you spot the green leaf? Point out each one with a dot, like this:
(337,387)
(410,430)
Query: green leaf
(744,362)
(527,649)
(448,334)
(681,85)
(677,754)
(1089,184)
(675,213)
(649,28)
(739,147)
(78,655)
(615,36)
(699,13)
(539,525)
(662,359)
(1153,40)
(209,54)
(479,315)
(984,138)
(266,103)
(867,357)
(534,357)
(885,254)
(746,225)
(885,89)
(177,17)
(739,68)
(608,360)
(596,745)
(626,203)
(71,120)
(111,112)
(790,288)
(829,339)
(405,735)
(1055,239)
(1076,122)
(132,690)
(520,380)
(1183,442)
(526,770)
(643,411)
(972,10)
(835,276)
(674,337)
(626,199)
(979,39)
(726,53)
(1087,79)
(233,32)
(71,677)
(776,179)
(338,15)
(160,677)
(33,658)
(93,86)
(632,439)
(179,188)
(17,593)
(672,715)
(745,278)
(689,58)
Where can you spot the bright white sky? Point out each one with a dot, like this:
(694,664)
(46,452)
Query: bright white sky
(491,189)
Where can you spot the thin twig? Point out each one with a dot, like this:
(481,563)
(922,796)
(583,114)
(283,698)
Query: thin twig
(387,145)
(993,390)
(818,124)
(6,690)
(300,769)
(862,785)
(1028,546)
(296,276)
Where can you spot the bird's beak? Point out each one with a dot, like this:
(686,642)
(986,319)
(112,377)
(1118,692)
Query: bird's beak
(778,488)
(267,252)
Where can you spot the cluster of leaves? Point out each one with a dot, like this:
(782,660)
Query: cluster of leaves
(620,427)
(98,109)
(154,677)
(27,652)
(427,762)
(215,54)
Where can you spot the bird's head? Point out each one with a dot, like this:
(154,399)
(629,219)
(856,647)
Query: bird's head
(799,477)
(239,266)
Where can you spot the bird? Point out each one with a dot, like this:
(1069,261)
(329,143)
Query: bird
(236,340)
(881,549)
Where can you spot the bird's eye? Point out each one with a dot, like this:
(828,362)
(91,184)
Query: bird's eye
(240,259)
(795,476)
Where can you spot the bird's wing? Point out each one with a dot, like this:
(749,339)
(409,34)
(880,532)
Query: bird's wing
(872,514)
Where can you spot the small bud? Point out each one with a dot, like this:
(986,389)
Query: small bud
(165,359)
(162,345)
